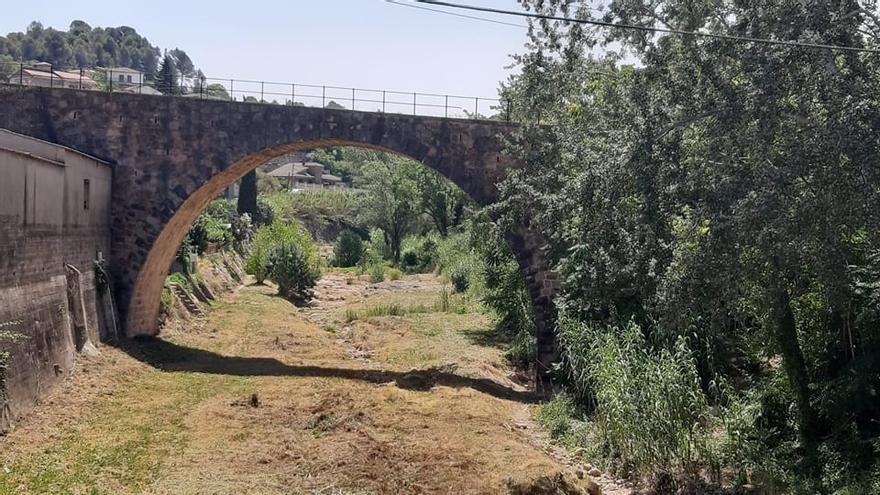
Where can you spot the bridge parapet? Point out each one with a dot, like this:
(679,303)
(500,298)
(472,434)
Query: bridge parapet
(130,81)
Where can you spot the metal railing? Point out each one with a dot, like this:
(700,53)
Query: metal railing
(265,92)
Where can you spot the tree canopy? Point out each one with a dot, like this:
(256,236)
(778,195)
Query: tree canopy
(87,47)
(719,192)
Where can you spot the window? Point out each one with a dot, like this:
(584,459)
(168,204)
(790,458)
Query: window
(129,78)
(121,78)
(86,194)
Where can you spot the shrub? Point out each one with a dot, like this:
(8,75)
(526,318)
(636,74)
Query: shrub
(418,254)
(460,278)
(649,408)
(377,249)
(209,229)
(394,274)
(270,236)
(292,269)
(348,250)
(377,273)
(556,416)
(265,213)
(462,263)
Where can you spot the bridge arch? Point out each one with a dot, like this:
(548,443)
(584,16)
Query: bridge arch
(171,156)
(143,310)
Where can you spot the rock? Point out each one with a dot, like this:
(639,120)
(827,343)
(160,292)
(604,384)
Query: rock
(255,400)
(595,473)
(593,488)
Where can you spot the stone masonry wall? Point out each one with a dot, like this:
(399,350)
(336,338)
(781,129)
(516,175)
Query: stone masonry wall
(172,156)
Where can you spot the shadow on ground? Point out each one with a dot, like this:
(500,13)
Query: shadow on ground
(168,356)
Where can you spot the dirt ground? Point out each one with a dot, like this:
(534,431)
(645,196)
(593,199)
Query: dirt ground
(261,397)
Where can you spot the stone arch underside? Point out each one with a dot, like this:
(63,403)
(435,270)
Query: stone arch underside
(171,156)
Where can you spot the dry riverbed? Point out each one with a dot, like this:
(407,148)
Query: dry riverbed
(388,388)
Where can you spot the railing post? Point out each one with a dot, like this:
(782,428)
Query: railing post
(80,78)
(352,98)
(21,74)
(110,78)
(232,90)
(414,103)
(509,109)
(292,95)
(323,96)
(446,107)
(476,107)
(383,101)
(262,91)
(51,76)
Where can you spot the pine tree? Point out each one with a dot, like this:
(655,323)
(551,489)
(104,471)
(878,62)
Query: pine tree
(166,78)
(247,194)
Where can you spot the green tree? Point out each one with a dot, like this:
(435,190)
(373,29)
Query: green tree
(440,200)
(348,249)
(166,78)
(392,202)
(720,191)
(247,194)
(291,267)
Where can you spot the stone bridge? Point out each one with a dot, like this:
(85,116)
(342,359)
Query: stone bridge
(172,156)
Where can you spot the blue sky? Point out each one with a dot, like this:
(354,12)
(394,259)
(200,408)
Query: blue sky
(361,43)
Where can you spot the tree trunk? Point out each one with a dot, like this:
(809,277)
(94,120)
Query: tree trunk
(794,364)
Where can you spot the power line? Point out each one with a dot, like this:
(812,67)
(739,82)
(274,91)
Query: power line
(464,16)
(728,37)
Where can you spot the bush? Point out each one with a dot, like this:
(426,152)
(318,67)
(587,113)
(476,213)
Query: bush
(650,411)
(462,263)
(418,254)
(460,278)
(292,269)
(377,249)
(377,273)
(394,274)
(265,213)
(348,250)
(268,238)
(556,416)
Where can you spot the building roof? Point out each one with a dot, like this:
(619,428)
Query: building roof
(31,146)
(72,76)
(331,178)
(61,75)
(123,69)
(142,90)
(35,72)
(288,169)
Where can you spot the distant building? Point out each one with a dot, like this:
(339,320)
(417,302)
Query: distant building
(123,76)
(140,90)
(306,175)
(42,75)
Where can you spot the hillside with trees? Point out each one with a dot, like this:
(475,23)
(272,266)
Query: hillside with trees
(83,46)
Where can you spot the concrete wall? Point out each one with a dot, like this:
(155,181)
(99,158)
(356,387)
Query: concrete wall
(46,224)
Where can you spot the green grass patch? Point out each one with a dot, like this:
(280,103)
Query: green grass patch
(124,443)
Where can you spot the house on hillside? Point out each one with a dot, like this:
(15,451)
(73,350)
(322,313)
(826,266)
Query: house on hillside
(123,76)
(42,75)
(306,175)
